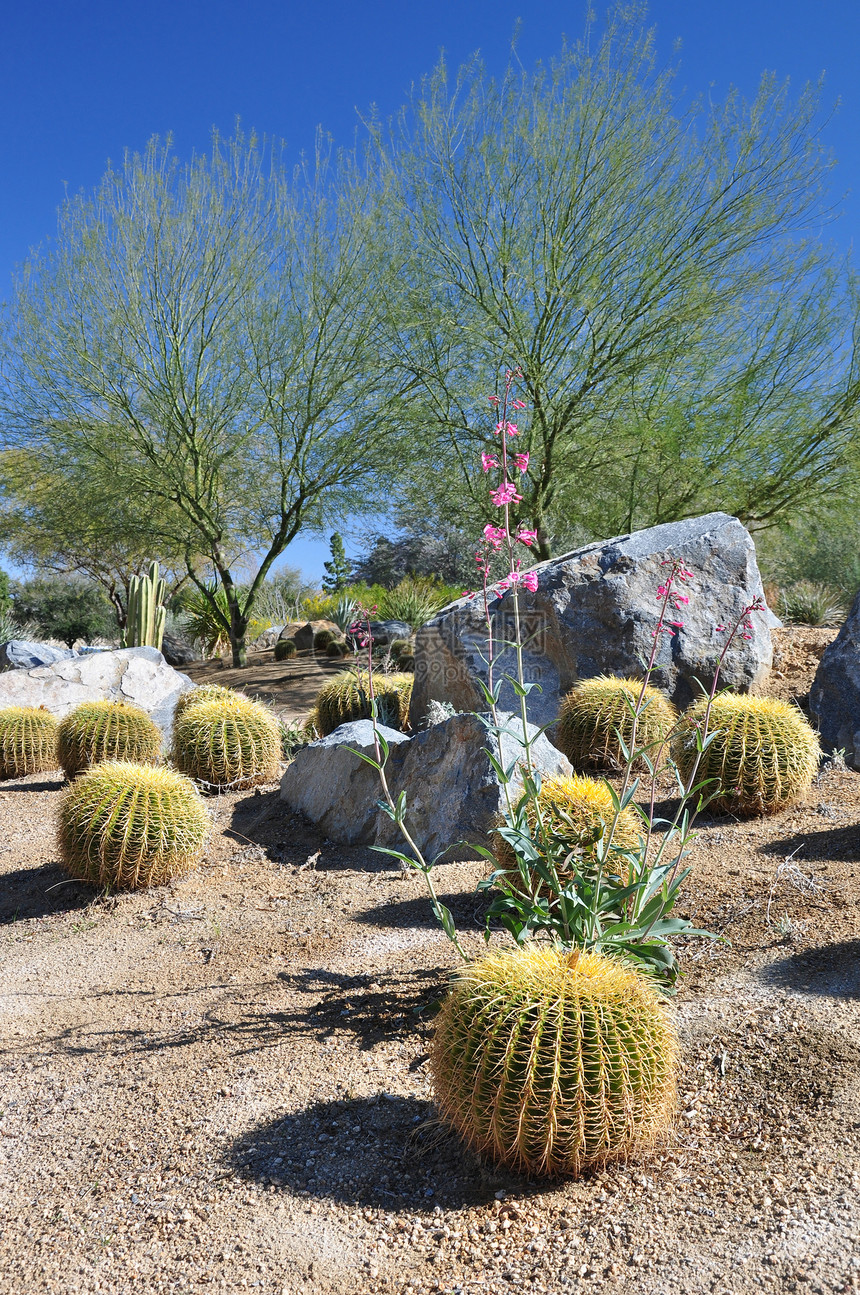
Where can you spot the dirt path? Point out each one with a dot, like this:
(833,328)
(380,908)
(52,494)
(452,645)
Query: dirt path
(221,1086)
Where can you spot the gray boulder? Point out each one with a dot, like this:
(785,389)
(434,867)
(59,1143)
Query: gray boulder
(452,790)
(138,675)
(385,632)
(834,699)
(594,612)
(176,652)
(18,654)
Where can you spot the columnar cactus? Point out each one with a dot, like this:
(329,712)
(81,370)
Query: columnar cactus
(125,826)
(227,742)
(106,730)
(762,758)
(553,1062)
(146,613)
(595,711)
(346,697)
(28,741)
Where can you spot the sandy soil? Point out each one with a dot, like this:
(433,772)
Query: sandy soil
(221,1085)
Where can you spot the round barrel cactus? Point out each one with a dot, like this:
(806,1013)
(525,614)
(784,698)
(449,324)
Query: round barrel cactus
(206,692)
(762,758)
(227,742)
(346,697)
(580,811)
(285,649)
(28,741)
(106,730)
(595,711)
(126,826)
(552,1062)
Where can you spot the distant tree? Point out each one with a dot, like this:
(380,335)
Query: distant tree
(5,594)
(339,568)
(418,548)
(64,609)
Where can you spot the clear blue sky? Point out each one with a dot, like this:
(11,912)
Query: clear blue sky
(81,81)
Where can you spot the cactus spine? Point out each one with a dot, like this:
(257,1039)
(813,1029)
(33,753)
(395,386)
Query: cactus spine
(146,613)
(126,826)
(346,697)
(227,742)
(28,741)
(554,1062)
(762,758)
(106,730)
(595,711)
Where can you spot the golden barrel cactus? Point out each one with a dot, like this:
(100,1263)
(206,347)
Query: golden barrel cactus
(126,826)
(106,730)
(553,1062)
(595,711)
(206,692)
(227,742)
(346,697)
(763,756)
(28,741)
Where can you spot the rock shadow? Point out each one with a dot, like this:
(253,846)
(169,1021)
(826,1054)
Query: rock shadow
(385,1151)
(468,908)
(41,892)
(832,843)
(831,971)
(289,839)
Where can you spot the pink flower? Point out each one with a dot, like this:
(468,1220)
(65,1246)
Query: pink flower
(518,404)
(510,429)
(526,537)
(494,535)
(678,624)
(681,598)
(505,494)
(530,581)
(522,461)
(494,400)
(721,629)
(488,462)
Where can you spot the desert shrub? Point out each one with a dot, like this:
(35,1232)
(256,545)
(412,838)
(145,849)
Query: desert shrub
(125,826)
(415,601)
(65,609)
(553,1062)
(285,649)
(319,606)
(595,711)
(106,730)
(806,603)
(28,741)
(762,757)
(227,742)
(346,698)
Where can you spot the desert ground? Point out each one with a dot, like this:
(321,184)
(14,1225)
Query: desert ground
(221,1086)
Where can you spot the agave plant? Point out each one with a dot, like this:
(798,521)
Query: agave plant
(344,612)
(807,603)
(414,601)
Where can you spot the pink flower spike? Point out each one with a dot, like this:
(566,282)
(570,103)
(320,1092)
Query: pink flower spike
(526,537)
(488,462)
(678,624)
(505,494)
(681,598)
(494,535)
(522,461)
(494,400)
(518,404)
(530,581)
(721,629)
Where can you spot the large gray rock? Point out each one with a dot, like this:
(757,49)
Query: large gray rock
(453,794)
(594,612)
(138,675)
(19,654)
(385,632)
(177,652)
(834,699)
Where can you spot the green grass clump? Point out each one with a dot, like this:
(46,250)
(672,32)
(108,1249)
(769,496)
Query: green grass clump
(552,1062)
(106,730)
(125,826)
(285,649)
(227,742)
(762,758)
(28,741)
(346,698)
(595,711)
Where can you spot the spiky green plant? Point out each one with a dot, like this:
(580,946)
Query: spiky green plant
(285,649)
(580,811)
(125,826)
(28,741)
(337,651)
(146,612)
(227,742)
(762,757)
(807,603)
(595,711)
(552,1062)
(346,697)
(106,730)
(205,692)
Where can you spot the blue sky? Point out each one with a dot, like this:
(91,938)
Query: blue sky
(81,81)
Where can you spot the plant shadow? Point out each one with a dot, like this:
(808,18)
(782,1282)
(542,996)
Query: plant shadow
(831,971)
(832,843)
(41,892)
(386,1151)
(468,908)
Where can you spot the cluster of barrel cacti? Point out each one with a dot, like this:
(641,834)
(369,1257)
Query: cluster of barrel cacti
(347,697)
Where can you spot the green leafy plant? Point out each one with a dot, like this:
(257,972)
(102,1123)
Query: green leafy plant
(106,730)
(553,1062)
(597,718)
(28,741)
(125,826)
(807,603)
(414,600)
(65,609)
(227,742)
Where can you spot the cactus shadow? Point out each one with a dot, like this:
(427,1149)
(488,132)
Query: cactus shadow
(385,1151)
(832,843)
(41,892)
(468,908)
(831,971)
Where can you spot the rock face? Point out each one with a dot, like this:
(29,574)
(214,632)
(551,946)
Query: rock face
(834,699)
(594,612)
(304,635)
(452,791)
(138,675)
(18,654)
(175,652)
(385,632)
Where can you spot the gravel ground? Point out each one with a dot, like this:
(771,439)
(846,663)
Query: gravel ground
(221,1085)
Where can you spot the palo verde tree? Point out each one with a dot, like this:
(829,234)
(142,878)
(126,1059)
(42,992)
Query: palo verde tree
(211,330)
(651,265)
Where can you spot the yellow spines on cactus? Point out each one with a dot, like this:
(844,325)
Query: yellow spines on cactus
(553,1062)
(28,741)
(762,758)
(106,730)
(596,710)
(588,805)
(227,742)
(125,826)
(205,692)
(346,698)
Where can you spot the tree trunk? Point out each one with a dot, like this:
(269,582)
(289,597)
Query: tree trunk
(238,629)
